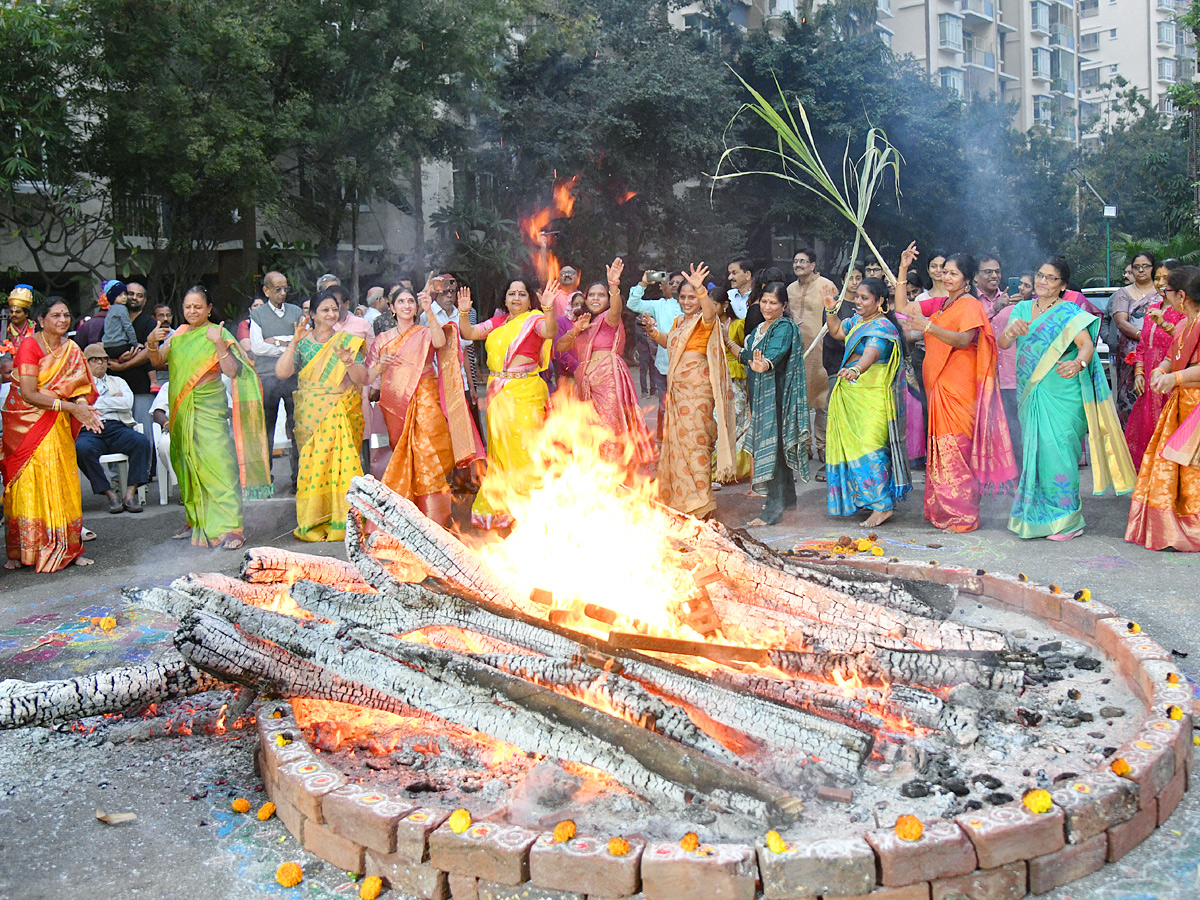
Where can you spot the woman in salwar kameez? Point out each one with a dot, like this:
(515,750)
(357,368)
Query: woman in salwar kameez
(778,431)
(1063,395)
(969,449)
(601,376)
(518,340)
(866,457)
(48,404)
(1165,511)
(1158,327)
(699,407)
(429,425)
(329,419)
(219,460)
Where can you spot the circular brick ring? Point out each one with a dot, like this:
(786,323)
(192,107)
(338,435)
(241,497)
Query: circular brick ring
(1005,851)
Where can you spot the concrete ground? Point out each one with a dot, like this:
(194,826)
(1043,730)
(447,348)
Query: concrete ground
(187,843)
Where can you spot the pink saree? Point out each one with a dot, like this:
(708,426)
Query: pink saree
(603,379)
(1152,348)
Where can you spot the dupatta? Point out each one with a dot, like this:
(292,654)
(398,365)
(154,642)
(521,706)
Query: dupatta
(502,344)
(722,387)
(1183,447)
(320,381)
(192,356)
(883,329)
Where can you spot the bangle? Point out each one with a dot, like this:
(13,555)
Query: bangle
(57,404)
(1178,378)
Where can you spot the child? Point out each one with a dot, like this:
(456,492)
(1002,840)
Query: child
(119,335)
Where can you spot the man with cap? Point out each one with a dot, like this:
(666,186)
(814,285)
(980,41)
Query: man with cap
(20,299)
(114,406)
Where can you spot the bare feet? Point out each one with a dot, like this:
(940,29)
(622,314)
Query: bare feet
(12,564)
(84,561)
(180,535)
(755,523)
(877,518)
(1064,537)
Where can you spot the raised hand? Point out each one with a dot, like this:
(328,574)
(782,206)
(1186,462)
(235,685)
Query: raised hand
(344,353)
(582,321)
(759,363)
(1156,314)
(546,297)
(464,299)
(698,277)
(425,301)
(614,271)
(214,334)
(300,331)
(909,256)
(157,336)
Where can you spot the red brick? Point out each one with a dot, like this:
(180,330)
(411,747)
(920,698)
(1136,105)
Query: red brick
(1004,883)
(413,830)
(964,579)
(1177,732)
(1124,837)
(711,871)
(463,887)
(1151,765)
(584,864)
(1153,674)
(822,866)
(868,563)
(292,818)
(1171,795)
(1004,834)
(304,783)
(643,897)
(1139,652)
(487,850)
(275,757)
(942,851)
(420,880)
(491,891)
(365,817)
(921,571)
(1081,618)
(908,892)
(323,841)
(1042,604)
(1094,803)
(1165,695)
(1072,862)
(1005,589)
(1127,648)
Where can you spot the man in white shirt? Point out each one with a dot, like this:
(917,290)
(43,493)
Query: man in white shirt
(376,303)
(741,282)
(114,405)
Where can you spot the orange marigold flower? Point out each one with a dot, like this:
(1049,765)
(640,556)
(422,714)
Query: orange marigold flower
(690,841)
(459,821)
(1120,767)
(1172,678)
(564,831)
(1038,801)
(370,888)
(289,874)
(618,846)
(909,828)
(241,805)
(1055,589)
(266,811)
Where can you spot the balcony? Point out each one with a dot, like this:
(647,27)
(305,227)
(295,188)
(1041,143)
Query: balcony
(1089,8)
(1065,86)
(984,10)
(883,9)
(1166,5)
(1069,4)
(980,59)
(1062,36)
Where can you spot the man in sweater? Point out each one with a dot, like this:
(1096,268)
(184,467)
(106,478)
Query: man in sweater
(272,327)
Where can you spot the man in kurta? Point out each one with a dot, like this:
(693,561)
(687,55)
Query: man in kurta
(808,296)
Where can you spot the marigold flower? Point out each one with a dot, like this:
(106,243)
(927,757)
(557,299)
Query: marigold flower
(690,841)
(1055,589)
(1083,596)
(1134,628)
(459,821)
(108,623)
(863,544)
(241,805)
(877,551)
(370,888)
(266,811)
(618,846)
(775,843)
(1120,766)
(1174,712)
(909,828)
(282,740)
(289,874)
(1021,576)
(1172,678)
(564,831)
(1038,801)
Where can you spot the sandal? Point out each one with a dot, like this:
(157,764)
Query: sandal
(86,534)
(235,542)
(181,535)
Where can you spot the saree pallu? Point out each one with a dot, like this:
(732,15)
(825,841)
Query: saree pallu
(1055,413)
(778,402)
(969,450)
(219,453)
(866,456)
(697,421)
(42,505)
(1151,349)
(603,380)
(328,431)
(738,375)
(516,408)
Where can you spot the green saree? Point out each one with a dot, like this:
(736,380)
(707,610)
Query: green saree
(219,454)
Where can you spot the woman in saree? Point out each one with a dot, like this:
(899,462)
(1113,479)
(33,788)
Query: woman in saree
(41,421)
(329,418)
(1165,511)
(601,377)
(1128,309)
(219,453)
(968,450)
(430,427)
(735,337)
(699,409)
(1063,394)
(866,457)
(517,340)
(778,405)
(1158,327)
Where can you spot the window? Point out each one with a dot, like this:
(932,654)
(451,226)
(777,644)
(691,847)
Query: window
(1043,107)
(1041,17)
(886,37)
(1168,5)
(952,79)
(1113,34)
(1114,68)
(1089,42)
(1166,34)
(1088,8)
(1041,62)
(950,32)
(1166,68)
(1090,78)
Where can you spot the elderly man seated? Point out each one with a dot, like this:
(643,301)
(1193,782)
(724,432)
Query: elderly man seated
(115,408)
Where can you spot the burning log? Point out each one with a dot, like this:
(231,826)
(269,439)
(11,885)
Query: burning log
(270,565)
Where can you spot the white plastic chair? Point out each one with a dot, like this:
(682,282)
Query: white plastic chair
(165,476)
(121,461)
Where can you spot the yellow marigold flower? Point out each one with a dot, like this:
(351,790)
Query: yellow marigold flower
(618,846)
(289,874)
(1083,596)
(370,887)
(266,811)
(909,828)
(108,623)
(775,843)
(1174,712)
(277,714)
(863,544)
(1134,628)
(690,841)
(877,551)
(1038,801)
(1021,576)
(564,831)
(241,805)
(1120,767)
(282,740)
(459,821)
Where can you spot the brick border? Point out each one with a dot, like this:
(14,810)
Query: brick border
(1003,851)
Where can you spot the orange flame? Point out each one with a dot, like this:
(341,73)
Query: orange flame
(629,195)
(545,262)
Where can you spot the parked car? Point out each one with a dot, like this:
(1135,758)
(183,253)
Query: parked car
(1101,298)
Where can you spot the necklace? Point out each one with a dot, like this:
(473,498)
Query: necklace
(55,352)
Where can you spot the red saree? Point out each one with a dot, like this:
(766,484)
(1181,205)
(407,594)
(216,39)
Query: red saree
(969,449)
(1152,348)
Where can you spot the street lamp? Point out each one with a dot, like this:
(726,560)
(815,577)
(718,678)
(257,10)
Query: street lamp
(1110,213)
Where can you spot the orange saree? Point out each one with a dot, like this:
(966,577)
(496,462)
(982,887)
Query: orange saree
(969,449)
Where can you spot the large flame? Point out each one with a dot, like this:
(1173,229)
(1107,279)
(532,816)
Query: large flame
(545,262)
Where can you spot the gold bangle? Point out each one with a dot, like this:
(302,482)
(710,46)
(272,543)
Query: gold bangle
(57,405)
(1178,379)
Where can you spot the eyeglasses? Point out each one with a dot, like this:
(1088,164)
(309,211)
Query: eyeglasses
(1141,267)
(1043,276)
(989,271)
(802,262)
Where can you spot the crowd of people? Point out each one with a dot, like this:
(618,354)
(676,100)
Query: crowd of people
(764,379)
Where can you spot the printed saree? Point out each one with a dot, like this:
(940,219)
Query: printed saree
(516,408)
(778,401)
(328,433)
(603,380)
(698,420)
(429,425)
(41,496)
(744,456)
(1152,348)
(219,453)
(1165,511)
(1055,414)
(969,450)
(866,457)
